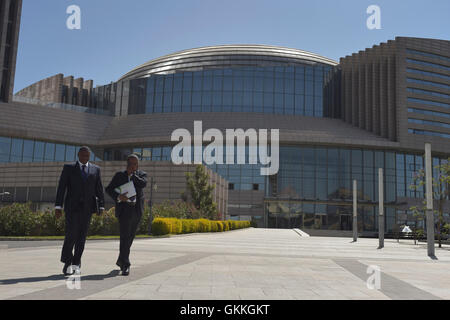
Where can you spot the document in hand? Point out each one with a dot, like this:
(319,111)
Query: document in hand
(127,187)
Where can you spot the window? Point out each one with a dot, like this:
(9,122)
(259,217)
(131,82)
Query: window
(231,186)
(49,152)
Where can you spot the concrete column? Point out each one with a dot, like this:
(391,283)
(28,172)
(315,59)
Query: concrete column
(429,198)
(380,208)
(355,211)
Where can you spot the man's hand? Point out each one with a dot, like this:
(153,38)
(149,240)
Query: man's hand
(123,197)
(58,213)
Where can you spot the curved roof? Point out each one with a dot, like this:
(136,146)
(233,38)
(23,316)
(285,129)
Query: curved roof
(226,56)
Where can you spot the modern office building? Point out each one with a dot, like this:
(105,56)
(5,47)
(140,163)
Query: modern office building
(59,90)
(10,13)
(338,122)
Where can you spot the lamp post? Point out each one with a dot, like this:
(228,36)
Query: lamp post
(429,198)
(355,211)
(153,187)
(380,209)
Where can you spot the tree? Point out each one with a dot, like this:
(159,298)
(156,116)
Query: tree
(441,193)
(201,193)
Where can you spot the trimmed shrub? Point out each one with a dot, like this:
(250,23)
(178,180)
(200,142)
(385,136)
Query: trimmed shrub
(161,226)
(204,225)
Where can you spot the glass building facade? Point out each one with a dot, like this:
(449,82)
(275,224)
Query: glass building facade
(288,90)
(16,150)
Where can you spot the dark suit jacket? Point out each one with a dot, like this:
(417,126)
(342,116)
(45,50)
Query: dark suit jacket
(80,195)
(140,182)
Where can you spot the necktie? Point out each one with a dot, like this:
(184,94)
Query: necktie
(84,173)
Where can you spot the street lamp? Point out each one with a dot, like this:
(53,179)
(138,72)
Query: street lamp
(153,187)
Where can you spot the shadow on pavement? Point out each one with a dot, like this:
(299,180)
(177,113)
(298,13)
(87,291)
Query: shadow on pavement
(59,277)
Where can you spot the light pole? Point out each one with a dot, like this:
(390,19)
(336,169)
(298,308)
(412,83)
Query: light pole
(355,211)
(153,187)
(380,209)
(429,197)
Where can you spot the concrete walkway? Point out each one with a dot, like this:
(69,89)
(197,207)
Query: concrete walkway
(255,264)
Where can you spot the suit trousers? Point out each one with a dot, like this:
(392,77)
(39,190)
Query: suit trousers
(129,219)
(76,229)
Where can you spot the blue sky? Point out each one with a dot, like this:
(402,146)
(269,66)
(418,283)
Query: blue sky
(118,35)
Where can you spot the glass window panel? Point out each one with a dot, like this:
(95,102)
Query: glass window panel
(166,153)
(70,153)
(207,83)
(238,99)
(147,154)
(156,156)
(16,150)
(217,100)
(5,146)
(187,81)
(167,107)
(268,101)
(299,104)
(178,82)
(60,152)
(217,83)
(196,98)
(258,84)
(197,85)
(151,84)
(38,155)
(149,102)
(238,83)
(159,84)
(279,85)
(168,83)
(227,84)
(186,101)
(28,148)
(268,84)
(206,101)
(49,151)
(248,84)
(289,86)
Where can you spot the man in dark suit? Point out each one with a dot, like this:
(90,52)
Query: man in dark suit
(128,210)
(80,189)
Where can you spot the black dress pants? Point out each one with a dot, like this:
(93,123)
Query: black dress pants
(76,229)
(129,218)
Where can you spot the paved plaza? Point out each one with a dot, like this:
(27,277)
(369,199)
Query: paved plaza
(250,264)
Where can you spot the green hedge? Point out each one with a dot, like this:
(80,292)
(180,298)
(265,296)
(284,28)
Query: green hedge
(20,220)
(162,226)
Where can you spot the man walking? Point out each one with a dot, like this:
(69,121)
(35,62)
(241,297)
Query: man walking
(128,209)
(79,189)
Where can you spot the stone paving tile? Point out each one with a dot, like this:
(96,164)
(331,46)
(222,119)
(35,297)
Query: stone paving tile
(245,264)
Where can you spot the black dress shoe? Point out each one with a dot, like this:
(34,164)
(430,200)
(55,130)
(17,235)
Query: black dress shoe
(66,270)
(125,271)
